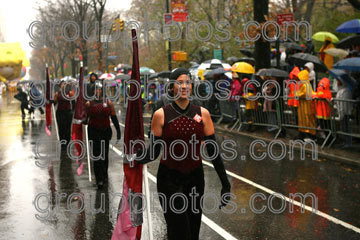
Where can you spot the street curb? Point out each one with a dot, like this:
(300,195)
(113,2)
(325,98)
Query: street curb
(321,152)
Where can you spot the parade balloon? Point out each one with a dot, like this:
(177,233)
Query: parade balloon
(12,59)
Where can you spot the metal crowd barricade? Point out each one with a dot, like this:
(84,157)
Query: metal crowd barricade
(229,109)
(311,115)
(352,106)
(251,112)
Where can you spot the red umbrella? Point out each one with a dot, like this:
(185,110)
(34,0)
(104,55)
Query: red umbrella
(134,130)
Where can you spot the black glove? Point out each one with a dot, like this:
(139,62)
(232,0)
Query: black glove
(154,149)
(220,170)
(117,127)
(85,121)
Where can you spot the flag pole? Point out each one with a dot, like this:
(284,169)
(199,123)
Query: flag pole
(56,125)
(87,151)
(147,195)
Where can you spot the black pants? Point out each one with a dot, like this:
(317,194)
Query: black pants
(23,106)
(64,119)
(96,136)
(184,225)
(346,128)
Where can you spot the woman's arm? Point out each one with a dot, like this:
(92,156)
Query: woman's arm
(115,120)
(157,125)
(218,164)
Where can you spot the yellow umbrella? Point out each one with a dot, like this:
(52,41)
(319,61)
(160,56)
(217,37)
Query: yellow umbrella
(323,36)
(243,67)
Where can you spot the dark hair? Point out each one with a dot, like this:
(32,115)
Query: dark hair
(93,74)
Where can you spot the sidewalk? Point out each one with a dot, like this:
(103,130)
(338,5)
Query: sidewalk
(349,156)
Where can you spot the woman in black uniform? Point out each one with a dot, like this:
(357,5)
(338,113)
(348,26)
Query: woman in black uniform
(180,120)
(98,120)
(63,113)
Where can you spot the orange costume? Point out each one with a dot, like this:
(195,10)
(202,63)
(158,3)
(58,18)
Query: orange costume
(293,77)
(322,106)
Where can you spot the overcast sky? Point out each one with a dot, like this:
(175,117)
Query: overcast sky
(18,14)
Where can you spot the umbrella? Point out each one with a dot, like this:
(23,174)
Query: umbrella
(212,64)
(247,52)
(146,70)
(348,42)
(218,71)
(232,59)
(352,26)
(123,77)
(68,78)
(337,52)
(272,72)
(243,67)
(300,59)
(350,64)
(123,66)
(293,46)
(247,60)
(98,72)
(343,77)
(164,74)
(107,76)
(321,37)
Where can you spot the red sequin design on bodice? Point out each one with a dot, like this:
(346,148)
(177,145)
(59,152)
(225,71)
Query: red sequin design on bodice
(99,115)
(182,126)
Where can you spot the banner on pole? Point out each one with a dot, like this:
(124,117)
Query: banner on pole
(179,10)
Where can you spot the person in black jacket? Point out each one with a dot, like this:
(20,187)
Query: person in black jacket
(91,85)
(23,98)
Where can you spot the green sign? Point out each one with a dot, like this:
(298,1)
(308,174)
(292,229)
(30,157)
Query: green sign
(218,54)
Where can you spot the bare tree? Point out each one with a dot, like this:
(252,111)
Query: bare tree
(99,9)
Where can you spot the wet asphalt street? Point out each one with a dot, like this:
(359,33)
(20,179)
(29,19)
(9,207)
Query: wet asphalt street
(39,195)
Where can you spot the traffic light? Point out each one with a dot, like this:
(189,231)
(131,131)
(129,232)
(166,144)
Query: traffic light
(114,27)
(118,24)
(121,23)
(179,56)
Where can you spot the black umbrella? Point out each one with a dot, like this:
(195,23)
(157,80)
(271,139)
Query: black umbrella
(348,42)
(293,46)
(247,52)
(153,75)
(218,71)
(123,77)
(164,74)
(232,59)
(272,72)
(247,60)
(300,59)
(343,77)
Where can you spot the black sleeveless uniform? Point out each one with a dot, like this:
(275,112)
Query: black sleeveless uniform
(100,130)
(64,118)
(180,174)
